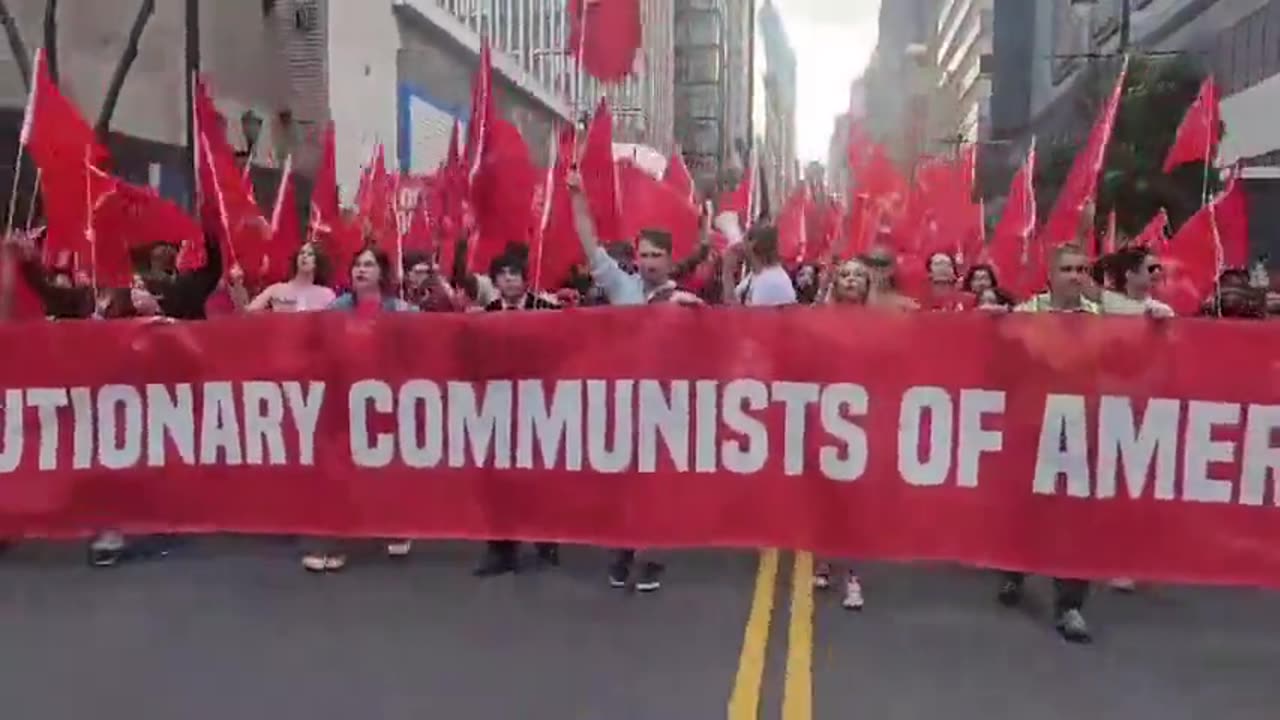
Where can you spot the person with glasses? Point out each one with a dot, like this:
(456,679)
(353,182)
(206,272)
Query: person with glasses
(1068,279)
(883,268)
(1134,273)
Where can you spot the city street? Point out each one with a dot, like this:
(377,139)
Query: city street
(233,628)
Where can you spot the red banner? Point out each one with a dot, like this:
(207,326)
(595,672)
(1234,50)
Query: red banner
(1070,445)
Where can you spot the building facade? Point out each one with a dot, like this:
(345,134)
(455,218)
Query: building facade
(395,72)
(901,80)
(1238,41)
(961,52)
(713,92)
(776,149)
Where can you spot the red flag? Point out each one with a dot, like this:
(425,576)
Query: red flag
(1015,252)
(135,216)
(18,300)
(59,140)
(605,36)
(1200,132)
(109,263)
(1081,186)
(653,205)
(501,193)
(1232,215)
(243,231)
(413,215)
(599,176)
(1156,234)
(559,247)
(286,229)
(325,208)
(678,177)
(1191,263)
(793,240)
(482,109)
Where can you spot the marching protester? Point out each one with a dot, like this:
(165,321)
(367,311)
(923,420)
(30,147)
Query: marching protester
(942,292)
(510,275)
(651,283)
(306,291)
(372,293)
(978,279)
(851,284)
(1068,277)
(1133,272)
(426,288)
(882,265)
(766,282)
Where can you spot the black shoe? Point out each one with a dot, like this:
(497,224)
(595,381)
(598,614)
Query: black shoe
(105,558)
(650,578)
(548,555)
(1010,593)
(619,575)
(4,548)
(496,564)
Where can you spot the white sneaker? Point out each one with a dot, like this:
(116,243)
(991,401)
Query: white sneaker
(822,576)
(399,548)
(852,593)
(1124,585)
(314,563)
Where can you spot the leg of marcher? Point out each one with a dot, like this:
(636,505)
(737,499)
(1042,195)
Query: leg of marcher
(1069,597)
(1011,583)
(620,568)
(499,559)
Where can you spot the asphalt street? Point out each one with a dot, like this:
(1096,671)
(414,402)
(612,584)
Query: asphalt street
(233,628)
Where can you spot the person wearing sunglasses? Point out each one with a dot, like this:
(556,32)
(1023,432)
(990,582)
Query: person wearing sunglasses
(1068,279)
(1134,273)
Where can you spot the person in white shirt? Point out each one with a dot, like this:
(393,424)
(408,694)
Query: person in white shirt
(767,282)
(1133,271)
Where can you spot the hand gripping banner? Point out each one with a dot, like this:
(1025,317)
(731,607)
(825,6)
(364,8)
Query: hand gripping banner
(1077,446)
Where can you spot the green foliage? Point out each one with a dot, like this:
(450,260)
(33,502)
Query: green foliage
(1157,94)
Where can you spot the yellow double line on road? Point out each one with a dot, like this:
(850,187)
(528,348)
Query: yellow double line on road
(797,694)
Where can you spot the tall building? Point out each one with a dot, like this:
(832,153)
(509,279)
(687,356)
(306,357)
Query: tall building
(777,151)
(901,79)
(838,180)
(1042,46)
(962,55)
(713,53)
(395,72)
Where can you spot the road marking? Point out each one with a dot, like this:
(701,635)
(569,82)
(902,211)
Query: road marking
(797,691)
(744,703)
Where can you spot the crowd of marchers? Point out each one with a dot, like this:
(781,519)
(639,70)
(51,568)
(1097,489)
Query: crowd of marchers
(635,271)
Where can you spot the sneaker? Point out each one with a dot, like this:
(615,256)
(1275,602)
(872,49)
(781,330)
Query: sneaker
(822,577)
(1010,593)
(1124,585)
(495,564)
(852,593)
(1073,628)
(104,558)
(650,578)
(619,574)
(548,555)
(313,562)
(399,548)
(334,563)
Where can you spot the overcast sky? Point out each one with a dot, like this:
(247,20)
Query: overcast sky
(833,40)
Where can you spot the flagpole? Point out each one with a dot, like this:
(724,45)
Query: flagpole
(90,235)
(580,79)
(13,190)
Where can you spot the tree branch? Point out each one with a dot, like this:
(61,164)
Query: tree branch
(16,45)
(51,38)
(112,98)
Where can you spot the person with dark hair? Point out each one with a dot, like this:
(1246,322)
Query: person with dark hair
(306,291)
(182,295)
(426,288)
(807,283)
(509,272)
(1068,275)
(766,283)
(883,268)
(979,279)
(651,284)
(1132,274)
(1235,297)
(652,280)
(371,294)
(943,294)
(510,275)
